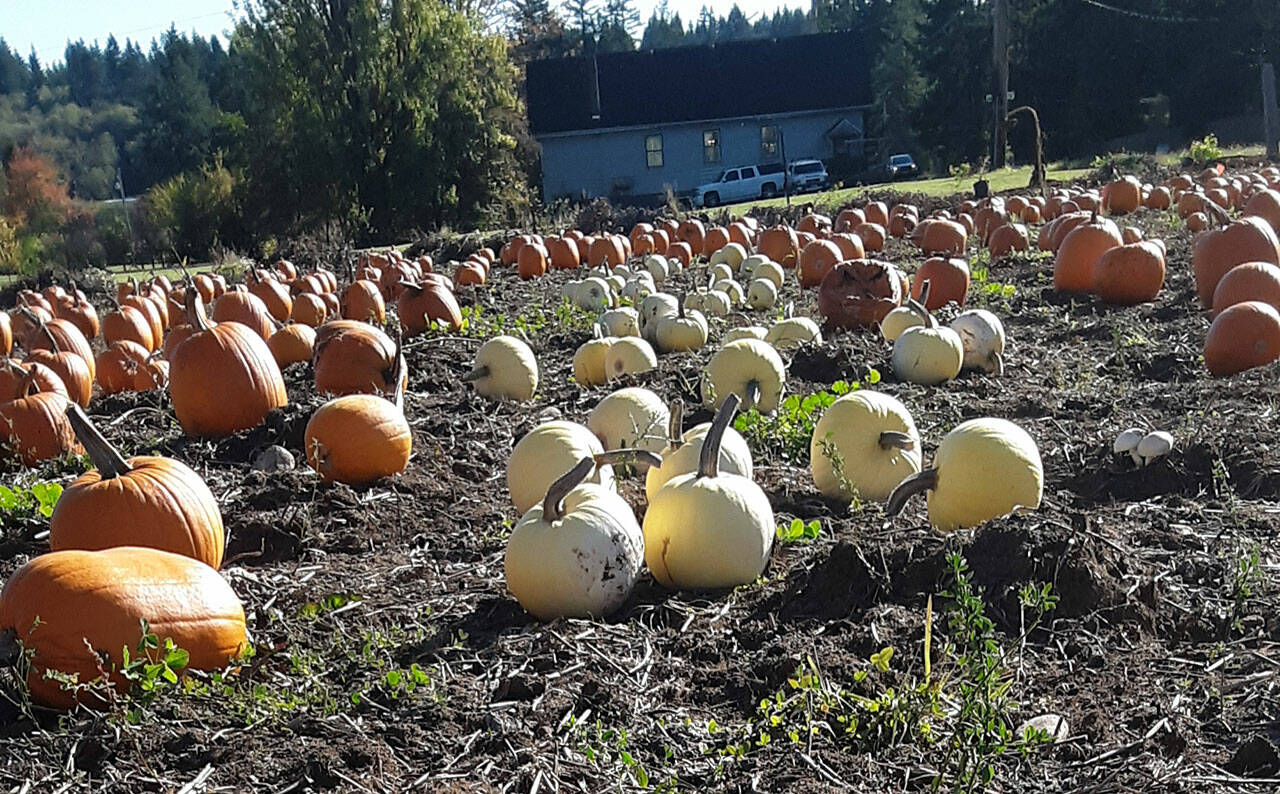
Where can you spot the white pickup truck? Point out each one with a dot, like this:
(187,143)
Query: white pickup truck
(741,184)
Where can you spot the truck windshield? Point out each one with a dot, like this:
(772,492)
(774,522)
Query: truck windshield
(807,168)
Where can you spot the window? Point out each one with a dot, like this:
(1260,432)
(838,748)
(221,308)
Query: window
(731,176)
(711,146)
(653,151)
(768,143)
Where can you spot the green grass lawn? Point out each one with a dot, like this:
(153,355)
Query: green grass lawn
(1004,179)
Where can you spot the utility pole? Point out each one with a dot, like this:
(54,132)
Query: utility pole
(1000,91)
(1270,115)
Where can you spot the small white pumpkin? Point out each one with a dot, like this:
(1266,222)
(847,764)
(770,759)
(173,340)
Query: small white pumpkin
(629,355)
(744,332)
(731,254)
(653,308)
(720,272)
(682,331)
(1155,444)
(631,418)
(982,336)
(576,555)
(762,294)
(731,288)
(622,321)
(589,361)
(927,354)
(593,294)
(864,444)
(748,368)
(716,303)
(793,331)
(770,270)
(683,449)
(749,265)
(544,454)
(656,265)
(505,368)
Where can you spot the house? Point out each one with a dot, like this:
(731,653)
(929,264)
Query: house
(634,125)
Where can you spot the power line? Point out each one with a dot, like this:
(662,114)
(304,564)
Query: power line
(1149,17)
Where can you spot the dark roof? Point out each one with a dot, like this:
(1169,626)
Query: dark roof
(738,78)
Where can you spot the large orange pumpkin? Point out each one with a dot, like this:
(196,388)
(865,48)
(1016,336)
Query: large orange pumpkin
(859,293)
(292,344)
(1243,336)
(34,426)
(877,212)
(1123,196)
(532,260)
(151,311)
(692,232)
(16,376)
(933,236)
(872,236)
(274,295)
(67,606)
(1077,257)
(420,305)
(815,223)
(1007,238)
(308,309)
(362,300)
(1258,281)
(1215,252)
(717,238)
(816,261)
(849,219)
(78,311)
(357,439)
(564,253)
(850,245)
(473,273)
(779,243)
(948,279)
(1130,274)
(355,358)
(223,378)
(605,250)
(244,308)
(127,323)
(147,501)
(70,368)
(681,252)
(1265,204)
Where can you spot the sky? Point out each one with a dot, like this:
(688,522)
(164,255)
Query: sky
(47,25)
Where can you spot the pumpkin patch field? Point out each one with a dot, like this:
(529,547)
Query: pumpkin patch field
(921,494)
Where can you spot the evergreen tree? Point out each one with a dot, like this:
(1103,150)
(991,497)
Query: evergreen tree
(35,78)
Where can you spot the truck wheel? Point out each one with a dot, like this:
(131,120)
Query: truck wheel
(711,199)
(768,190)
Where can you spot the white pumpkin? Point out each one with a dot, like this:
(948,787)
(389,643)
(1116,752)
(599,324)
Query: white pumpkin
(761,294)
(589,361)
(683,331)
(716,303)
(629,355)
(656,265)
(593,294)
(653,308)
(631,418)
(927,356)
(770,270)
(505,368)
(683,449)
(578,554)
(748,368)
(902,318)
(731,254)
(793,331)
(864,445)
(622,321)
(546,453)
(731,288)
(720,272)
(982,337)
(744,332)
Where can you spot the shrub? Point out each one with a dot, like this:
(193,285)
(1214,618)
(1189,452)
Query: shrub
(193,210)
(1205,149)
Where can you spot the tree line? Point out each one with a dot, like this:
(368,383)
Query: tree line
(375,117)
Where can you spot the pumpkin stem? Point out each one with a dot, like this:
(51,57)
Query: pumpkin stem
(753,393)
(916,483)
(553,505)
(196,317)
(675,432)
(106,458)
(616,457)
(892,439)
(43,328)
(476,373)
(997,363)
(709,458)
(918,306)
(400,374)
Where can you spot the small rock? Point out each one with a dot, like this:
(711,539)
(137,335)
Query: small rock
(549,414)
(274,458)
(1053,725)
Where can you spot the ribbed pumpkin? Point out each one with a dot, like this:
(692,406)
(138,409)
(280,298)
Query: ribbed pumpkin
(816,261)
(274,295)
(223,378)
(780,244)
(564,253)
(1258,281)
(1007,238)
(292,344)
(872,236)
(681,252)
(308,309)
(352,357)
(78,311)
(149,310)
(420,305)
(118,366)
(1122,196)
(850,245)
(127,323)
(690,231)
(1130,274)
(717,238)
(67,606)
(70,369)
(34,426)
(1250,239)
(532,261)
(55,335)
(147,500)
(358,438)
(14,376)
(244,308)
(948,279)
(1243,336)
(362,300)
(1077,257)
(469,273)
(933,236)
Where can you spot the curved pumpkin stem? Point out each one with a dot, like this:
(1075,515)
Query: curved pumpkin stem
(709,458)
(616,457)
(476,373)
(753,393)
(892,439)
(553,504)
(916,483)
(196,316)
(918,305)
(400,371)
(675,425)
(105,457)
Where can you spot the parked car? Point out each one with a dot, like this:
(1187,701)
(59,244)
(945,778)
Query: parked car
(901,165)
(740,184)
(807,176)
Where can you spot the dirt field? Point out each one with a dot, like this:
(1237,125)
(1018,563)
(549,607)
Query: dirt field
(389,657)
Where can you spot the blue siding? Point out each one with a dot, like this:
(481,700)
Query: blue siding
(609,163)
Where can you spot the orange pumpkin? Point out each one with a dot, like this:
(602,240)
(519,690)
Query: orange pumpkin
(78,311)
(717,238)
(274,295)
(848,220)
(127,323)
(308,309)
(933,236)
(223,378)
(564,253)
(741,234)
(532,260)
(1131,234)
(6,334)
(292,344)
(357,439)
(1123,196)
(693,233)
(118,366)
(362,300)
(472,273)
(817,260)
(1245,335)
(148,501)
(815,223)
(1258,281)
(780,244)
(70,368)
(877,212)
(1077,257)
(34,426)
(352,357)
(61,335)
(1158,199)
(1215,252)
(850,245)
(682,252)
(1265,204)
(872,236)
(606,250)
(244,308)
(1130,274)
(948,281)
(66,606)
(1006,239)
(420,305)
(860,292)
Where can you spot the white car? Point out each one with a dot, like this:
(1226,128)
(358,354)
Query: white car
(808,175)
(740,184)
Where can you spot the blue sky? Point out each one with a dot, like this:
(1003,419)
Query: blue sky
(47,25)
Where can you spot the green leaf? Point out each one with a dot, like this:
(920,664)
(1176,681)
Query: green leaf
(8,499)
(881,659)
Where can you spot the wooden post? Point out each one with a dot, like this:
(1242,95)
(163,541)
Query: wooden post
(1270,115)
(1000,90)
